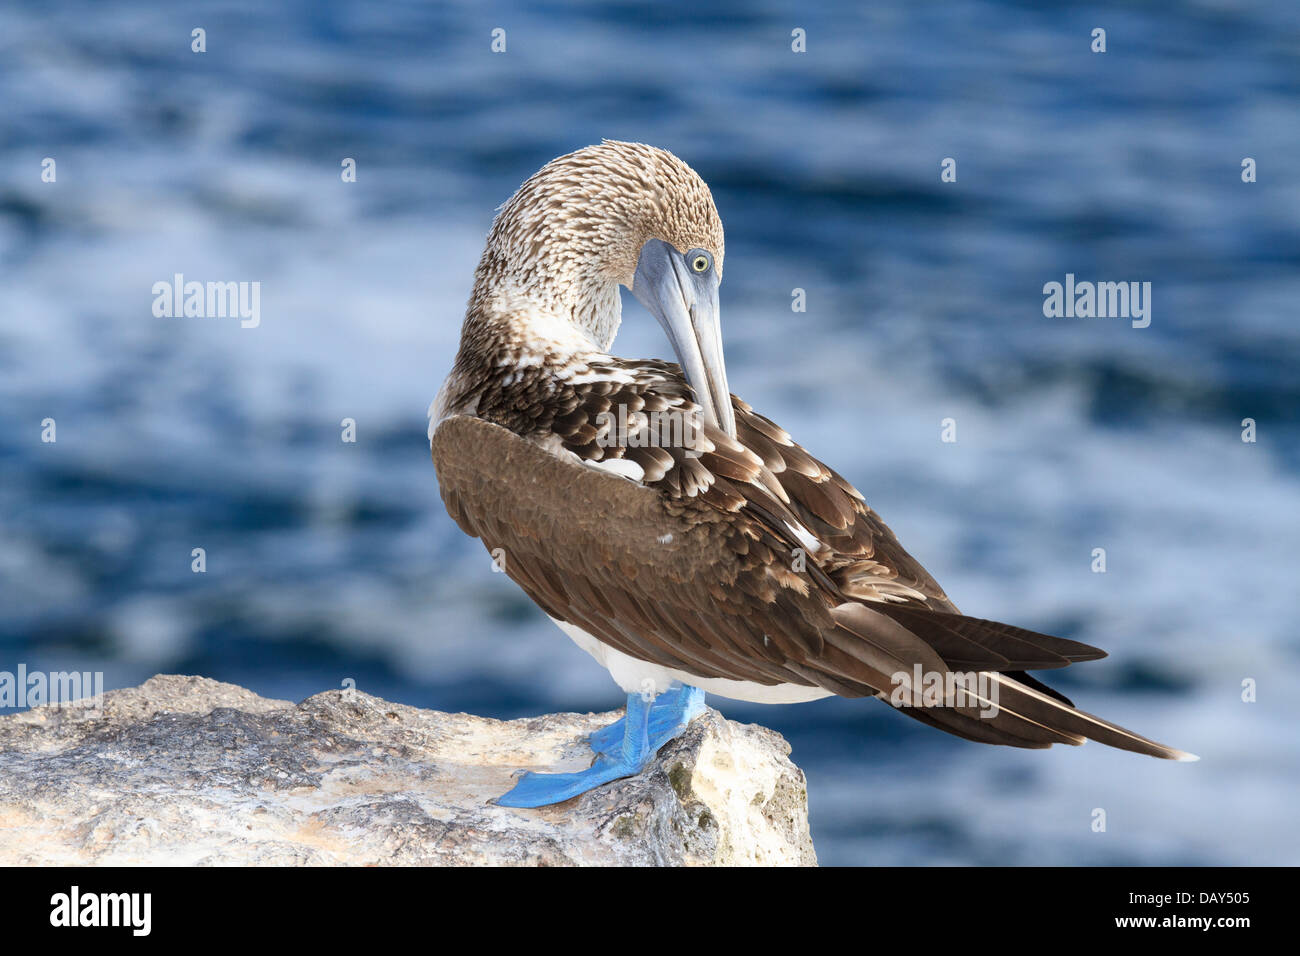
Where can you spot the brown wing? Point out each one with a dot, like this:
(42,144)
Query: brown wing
(865,560)
(676,582)
(696,570)
(771,484)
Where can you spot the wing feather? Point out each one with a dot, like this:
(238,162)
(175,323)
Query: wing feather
(703,565)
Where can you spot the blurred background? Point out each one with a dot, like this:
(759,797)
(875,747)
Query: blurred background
(328,561)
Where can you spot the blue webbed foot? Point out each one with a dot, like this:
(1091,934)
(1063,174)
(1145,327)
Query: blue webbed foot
(544,789)
(626,746)
(669,714)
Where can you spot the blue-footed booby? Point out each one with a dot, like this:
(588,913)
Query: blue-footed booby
(682,539)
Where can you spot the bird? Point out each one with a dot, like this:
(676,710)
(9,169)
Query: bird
(678,536)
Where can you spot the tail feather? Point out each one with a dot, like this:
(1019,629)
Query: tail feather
(1018,715)
(871,646)
(1036,705)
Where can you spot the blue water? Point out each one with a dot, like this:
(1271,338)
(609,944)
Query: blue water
(328,561)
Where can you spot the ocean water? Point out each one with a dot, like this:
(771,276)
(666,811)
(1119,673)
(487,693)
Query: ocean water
(328,561)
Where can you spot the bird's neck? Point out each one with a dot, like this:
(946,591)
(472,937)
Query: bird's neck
(558,304)
(529,324)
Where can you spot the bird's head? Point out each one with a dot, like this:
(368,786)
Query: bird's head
(620,214)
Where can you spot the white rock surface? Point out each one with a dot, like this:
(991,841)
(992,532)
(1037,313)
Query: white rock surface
(185,770)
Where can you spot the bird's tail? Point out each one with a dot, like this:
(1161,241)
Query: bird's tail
(1001,709)
(984,693)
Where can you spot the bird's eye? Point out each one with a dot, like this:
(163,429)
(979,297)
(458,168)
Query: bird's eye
(700,261)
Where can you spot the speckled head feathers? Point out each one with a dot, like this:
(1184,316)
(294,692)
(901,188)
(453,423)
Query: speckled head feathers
(600,205)
(562,245)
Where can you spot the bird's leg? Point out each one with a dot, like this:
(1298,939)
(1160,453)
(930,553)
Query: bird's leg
(634,749)
(669,714)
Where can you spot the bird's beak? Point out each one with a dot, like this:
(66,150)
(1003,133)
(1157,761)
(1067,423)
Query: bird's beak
(686,305)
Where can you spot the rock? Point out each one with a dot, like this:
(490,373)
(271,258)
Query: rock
(185,770)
